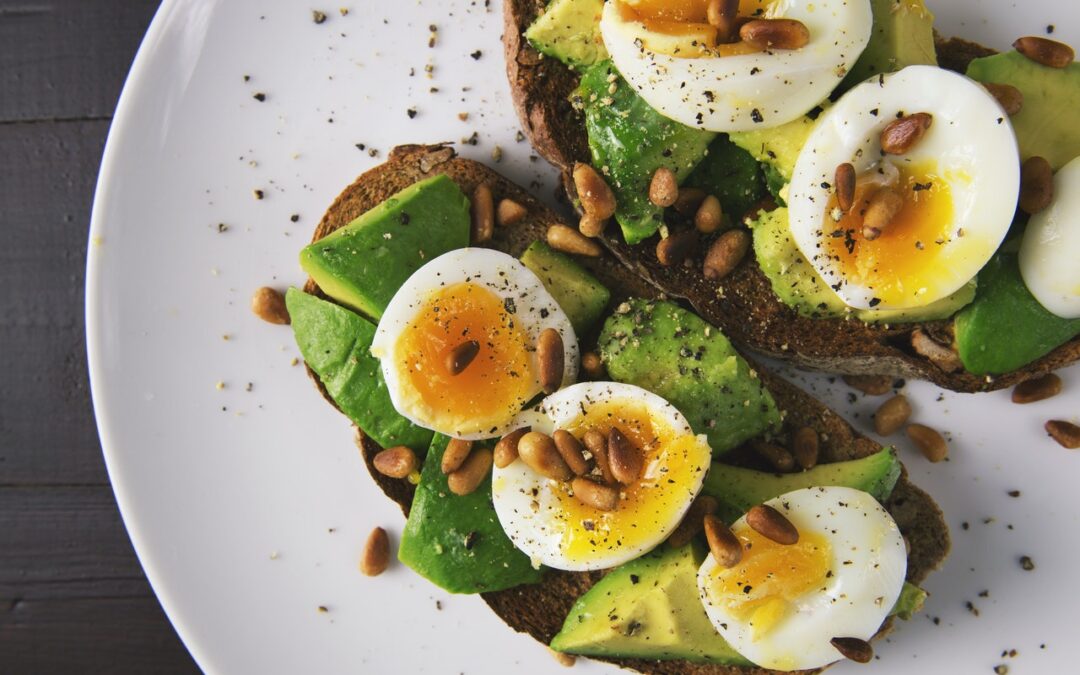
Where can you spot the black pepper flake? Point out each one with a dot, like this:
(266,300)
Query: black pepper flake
(247,78)
(476,55)
(259,96)
(404,218)
(756,115)
(1001,669)
(295,217)
(318,17)
(755,70)
(634,579)
(411,112)
(1026,563)
(509,306)
(874,302)
(919,187)
(471,539)
(222,227)
(875,112)
(1014,493)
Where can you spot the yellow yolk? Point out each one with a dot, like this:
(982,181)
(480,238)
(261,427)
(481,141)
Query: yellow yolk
(770,576)
(906,261)
(680,27)
(647,504)
(693,11)
(498,382)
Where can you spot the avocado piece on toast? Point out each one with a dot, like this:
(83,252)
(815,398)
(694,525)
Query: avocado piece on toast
(580,295)
(902,36)
(569,30)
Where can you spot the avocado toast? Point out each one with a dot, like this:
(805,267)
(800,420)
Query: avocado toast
(753,304)
(542,604)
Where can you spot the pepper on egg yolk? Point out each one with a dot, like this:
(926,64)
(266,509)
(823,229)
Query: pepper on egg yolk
(681,28)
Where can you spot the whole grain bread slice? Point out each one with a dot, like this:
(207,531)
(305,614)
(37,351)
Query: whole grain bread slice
(540,609)
(744,304)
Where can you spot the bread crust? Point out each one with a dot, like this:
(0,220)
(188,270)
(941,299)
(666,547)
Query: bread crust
(744,306)
(540,609)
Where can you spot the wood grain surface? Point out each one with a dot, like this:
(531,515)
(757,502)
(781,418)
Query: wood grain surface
(73,598)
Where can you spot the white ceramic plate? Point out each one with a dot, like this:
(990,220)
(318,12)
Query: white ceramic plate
(248,508)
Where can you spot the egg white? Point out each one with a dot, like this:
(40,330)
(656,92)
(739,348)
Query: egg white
(745,92)
(869,565)
(506,277)
(1050,252)
(971,142)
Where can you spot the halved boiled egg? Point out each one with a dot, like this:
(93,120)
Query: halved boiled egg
(1048,255)
(475,305)
(781,605)
(959,187)
(545,520)
(669,53)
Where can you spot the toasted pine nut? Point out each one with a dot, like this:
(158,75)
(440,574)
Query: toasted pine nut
(693,522)
(509,212)
(569,240)
(506,450)
(1065,433)
(674,249)
(1036,185)
(459,358)
(854,649)
(624,458)
(725,547)
(1045,52)
(726,253)
(844,183)
(375,556)
(1038,389)
(591,227)
(396,462)
(483,214)
(539,452)
(269,305)
(871,385)
(709,216)
(941,356)
(723,15)
(472,473)
(930,442)
(892,415)
(597,445)
(551,360)
(806,448)
(663,188)
(883,207)
(1009,97)
(592,365)
(778,457)
(596,197)
(571,450)
(904,133)
(775,34)
(689,200)
(771,524)
(457,451)
(591,493)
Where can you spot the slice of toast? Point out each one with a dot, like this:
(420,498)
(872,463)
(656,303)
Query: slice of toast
(746,309)
(540,609)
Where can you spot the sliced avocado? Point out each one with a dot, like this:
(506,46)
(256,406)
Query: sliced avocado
(649,609)
(732,174)
(364,263)
(629,141)
(1006,328)
(911,600)
(778,147)
(579,293)
(569,30)
(737,489)
(902,36)
(673,353)
(1046,125)
(334,343)
(456,542)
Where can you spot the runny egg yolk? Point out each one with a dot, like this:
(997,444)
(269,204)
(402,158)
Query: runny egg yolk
(646,505)
(770,576)
(499,380)
(680,27)
(907,260)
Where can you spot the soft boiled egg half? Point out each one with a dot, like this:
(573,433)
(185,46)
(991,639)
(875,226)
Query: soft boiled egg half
(1048,256)
(781,605)
(478,296)
(545,520)
(959,186)
(669,53)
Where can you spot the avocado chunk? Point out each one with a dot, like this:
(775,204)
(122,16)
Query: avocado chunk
(673,353)
(335,343)
(902,36)
(364,263)
(778,148)
(911,600)
(1046,125)
(648,608)
(629,141)
(732,175)
(1006,328)
(737,489)
(580,295)
(569,30)
(456,542)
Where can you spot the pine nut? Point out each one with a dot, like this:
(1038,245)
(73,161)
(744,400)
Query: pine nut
(483,214)
(871,385)
(941,356)
(779,458)
(726,253)
(396,462)
(539,452)
(596,197)
(854,649)
(693,522)
(904,133)
(457,451)
(930,442)
(506,450)
(571,450)
(551,360)
(509,213)
(892,415)
(269,305)
(883,207)
(775,34)
(806,448)
(725,547)
(569,240)
(709,216)
(597,445)
(723,15)
(591,227)
(1065,433)
(771,524)
(1045,52)
(472,473)
(689,200)
(591,493)
(1038,389)
(592,365)
(663,188)
(459,358)
(624,458)
(674,249)
(1036,185)
(844,183)
(375,556)
(1009,97)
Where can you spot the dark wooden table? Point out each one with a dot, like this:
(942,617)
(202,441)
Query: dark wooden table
(73,598)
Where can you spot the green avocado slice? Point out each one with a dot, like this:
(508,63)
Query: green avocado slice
(579,293)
